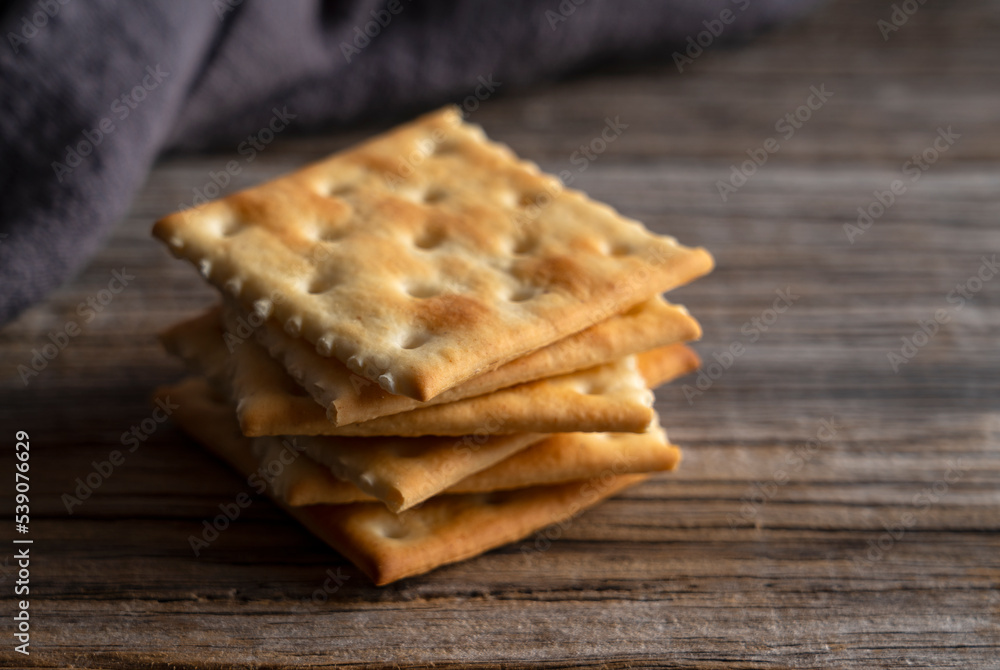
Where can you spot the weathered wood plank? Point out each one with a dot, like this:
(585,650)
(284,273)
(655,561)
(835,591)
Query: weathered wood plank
(762,551)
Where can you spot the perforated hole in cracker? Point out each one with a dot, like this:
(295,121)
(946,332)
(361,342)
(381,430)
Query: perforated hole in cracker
(422,290)
(525,244)
(340,190)
(430,238)
(331,234)
(619,249)
(523,293)
(416,340)
(321,284)
(435,195)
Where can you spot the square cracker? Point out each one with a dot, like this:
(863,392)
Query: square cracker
(612,397)
(386,546)
(567,457)
(447,529)
(427,255)
(302,481)
(350,398)
(559,458)
(609,397)
(198,342)
(267,403)
(405,471)
(399,471)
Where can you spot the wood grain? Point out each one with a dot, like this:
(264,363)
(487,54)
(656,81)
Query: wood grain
(762,551)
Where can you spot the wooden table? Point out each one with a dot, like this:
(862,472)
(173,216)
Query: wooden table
(875,544)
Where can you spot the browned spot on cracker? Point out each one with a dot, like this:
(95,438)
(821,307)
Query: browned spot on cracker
(560,272)
(376,162)
(450,311)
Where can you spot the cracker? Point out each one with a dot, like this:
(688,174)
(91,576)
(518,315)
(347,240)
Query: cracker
(388,547)
(609,397)
(612,397)
(448,529)
(665,364)
(567,457)
(350,398)
(403,472)
(427,255)
(559,458)
(302,481)
(399,471)
(197,341)
(206,414)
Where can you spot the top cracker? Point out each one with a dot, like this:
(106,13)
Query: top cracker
(427,255)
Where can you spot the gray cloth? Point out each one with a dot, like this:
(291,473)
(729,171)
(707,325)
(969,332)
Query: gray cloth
(92,91)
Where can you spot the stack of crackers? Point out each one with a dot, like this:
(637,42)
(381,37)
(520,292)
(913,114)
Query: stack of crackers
(428,348)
